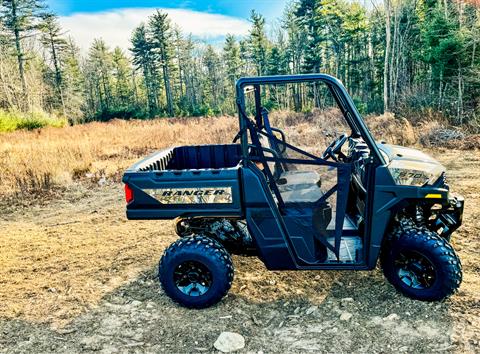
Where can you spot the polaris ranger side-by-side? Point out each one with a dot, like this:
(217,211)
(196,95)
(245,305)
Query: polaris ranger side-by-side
(358,202)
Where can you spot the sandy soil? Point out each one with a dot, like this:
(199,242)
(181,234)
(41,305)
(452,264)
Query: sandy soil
(76,276)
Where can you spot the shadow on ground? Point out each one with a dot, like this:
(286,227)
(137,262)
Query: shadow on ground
(359,312)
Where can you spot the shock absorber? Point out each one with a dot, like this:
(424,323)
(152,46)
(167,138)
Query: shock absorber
(419,216)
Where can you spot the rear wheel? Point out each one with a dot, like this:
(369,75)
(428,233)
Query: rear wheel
(196,271)
(422,265)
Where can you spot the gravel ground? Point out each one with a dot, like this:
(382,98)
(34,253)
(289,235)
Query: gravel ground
(360,314)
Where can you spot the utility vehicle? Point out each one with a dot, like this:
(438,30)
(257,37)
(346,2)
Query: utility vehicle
(358,202)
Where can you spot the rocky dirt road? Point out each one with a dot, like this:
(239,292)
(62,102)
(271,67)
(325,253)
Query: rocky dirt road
(76,277)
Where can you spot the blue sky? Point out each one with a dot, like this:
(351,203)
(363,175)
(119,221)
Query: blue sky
(239,8)
(114,20)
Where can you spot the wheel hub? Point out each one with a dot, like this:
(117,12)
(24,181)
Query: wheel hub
(192,278)
(415,270)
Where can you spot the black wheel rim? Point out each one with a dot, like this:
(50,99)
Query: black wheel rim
(415,270)
(192,278)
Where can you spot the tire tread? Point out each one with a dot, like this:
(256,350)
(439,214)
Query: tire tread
(408,234)
(206,246)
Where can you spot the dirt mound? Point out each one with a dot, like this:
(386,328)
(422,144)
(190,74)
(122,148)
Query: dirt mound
(435,134)
(430,134)
(393,130)
(470,142)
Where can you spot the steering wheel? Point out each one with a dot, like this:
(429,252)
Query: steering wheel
(334,148)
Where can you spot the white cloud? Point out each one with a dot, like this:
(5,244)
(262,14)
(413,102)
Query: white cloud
(116,26)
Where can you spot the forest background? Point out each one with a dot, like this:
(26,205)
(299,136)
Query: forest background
(416,58)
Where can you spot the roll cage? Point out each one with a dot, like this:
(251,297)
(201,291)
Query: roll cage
(258,153)
(338,91)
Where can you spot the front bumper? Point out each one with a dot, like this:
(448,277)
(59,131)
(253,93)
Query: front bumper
(449,218)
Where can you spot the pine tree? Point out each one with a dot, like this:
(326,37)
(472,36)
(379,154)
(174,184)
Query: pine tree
(179,55)
(296,38)
(258,42)
(73,81)
(231,58)
(143,59)
(213,84)
(53,41)
(160,33)
(20,19)
(190,66)
(122,74)
(306,13)
(101,64)
(233,62)
(245,57)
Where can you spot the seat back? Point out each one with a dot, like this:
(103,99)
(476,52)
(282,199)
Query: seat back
(265,142)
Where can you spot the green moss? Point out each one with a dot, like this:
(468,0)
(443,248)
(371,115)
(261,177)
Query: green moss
(10,121)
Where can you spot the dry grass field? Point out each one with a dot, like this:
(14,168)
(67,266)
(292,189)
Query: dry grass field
(70,261)
(32,161)
(50,158)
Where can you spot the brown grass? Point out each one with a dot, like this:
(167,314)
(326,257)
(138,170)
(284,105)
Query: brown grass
(51,158)
(43,159)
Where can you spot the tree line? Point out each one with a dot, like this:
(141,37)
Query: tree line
(412,57)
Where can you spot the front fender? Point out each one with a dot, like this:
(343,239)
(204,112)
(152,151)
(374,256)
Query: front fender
(389,199)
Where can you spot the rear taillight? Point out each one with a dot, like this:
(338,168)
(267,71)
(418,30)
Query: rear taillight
(128,194)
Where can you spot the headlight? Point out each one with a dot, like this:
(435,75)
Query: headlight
(415,173)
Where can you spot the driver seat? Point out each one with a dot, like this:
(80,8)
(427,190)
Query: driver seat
(293,185)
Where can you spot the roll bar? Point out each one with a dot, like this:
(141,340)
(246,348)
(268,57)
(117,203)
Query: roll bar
(340,94)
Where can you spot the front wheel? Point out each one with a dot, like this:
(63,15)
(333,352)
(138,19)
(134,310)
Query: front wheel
(422,265)
(196,271)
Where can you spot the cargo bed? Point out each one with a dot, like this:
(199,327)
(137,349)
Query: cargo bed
(186,181)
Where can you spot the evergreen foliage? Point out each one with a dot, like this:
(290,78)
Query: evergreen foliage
(406,56)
